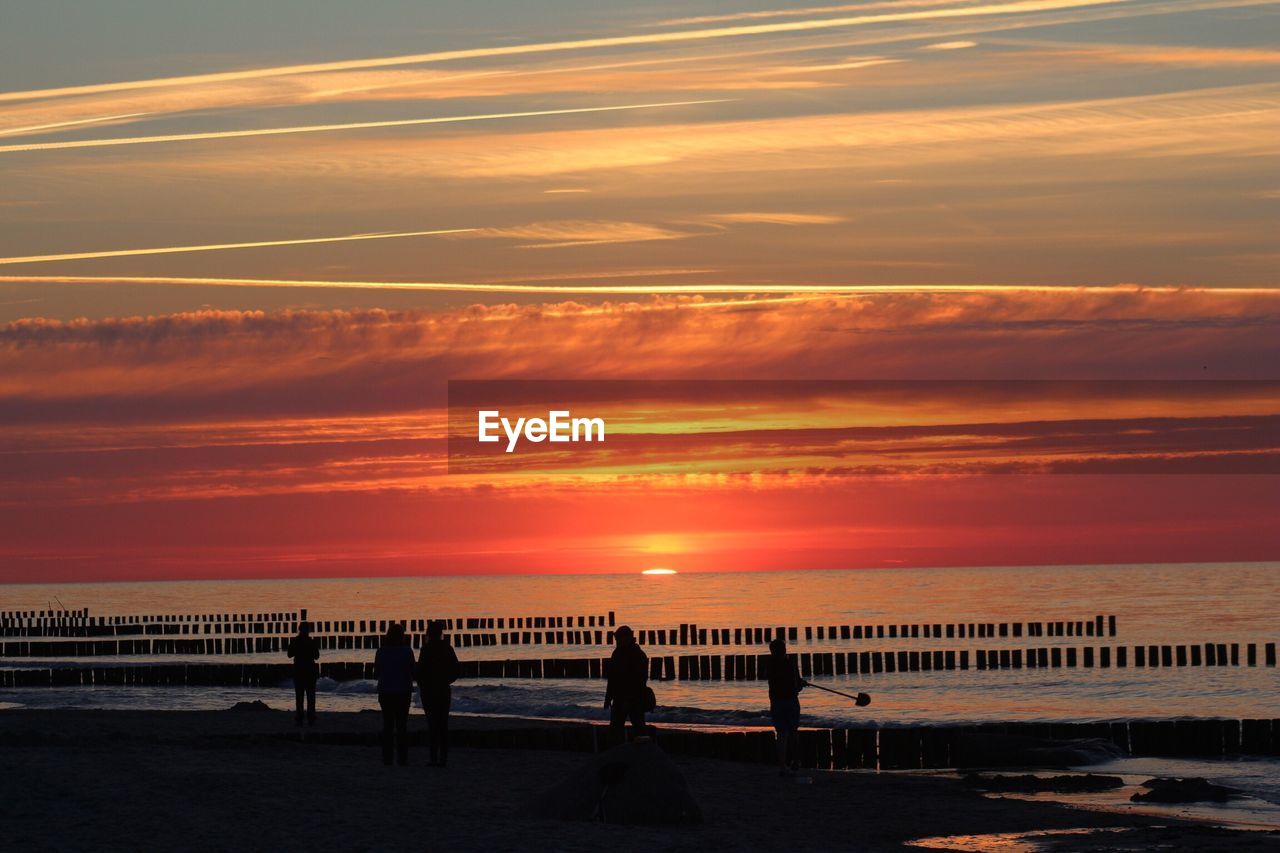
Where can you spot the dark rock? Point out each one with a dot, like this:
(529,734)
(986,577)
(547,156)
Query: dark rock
(255,705)
(1192,790)
(1029,784)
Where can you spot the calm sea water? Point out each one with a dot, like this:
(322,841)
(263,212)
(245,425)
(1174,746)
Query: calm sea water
(1230,603)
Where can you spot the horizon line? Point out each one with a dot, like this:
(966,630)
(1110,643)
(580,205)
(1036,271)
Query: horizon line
(632,572)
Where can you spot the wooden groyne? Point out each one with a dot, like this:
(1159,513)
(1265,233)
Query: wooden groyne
(256,637)
(753,667)
(32,623)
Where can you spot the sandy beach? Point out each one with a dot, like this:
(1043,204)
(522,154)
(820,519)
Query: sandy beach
(122,780)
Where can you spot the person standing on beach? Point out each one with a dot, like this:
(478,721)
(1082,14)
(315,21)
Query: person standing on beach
(438,668)
(305,651)
(627,691)
(785,685)
(394,667)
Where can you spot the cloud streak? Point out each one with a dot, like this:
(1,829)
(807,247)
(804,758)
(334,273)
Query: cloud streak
(61,125)
(800,12)
(216,247)
(551,235)
(1236,119)
(775,218)
(325,128)
(977,11)
(637,289)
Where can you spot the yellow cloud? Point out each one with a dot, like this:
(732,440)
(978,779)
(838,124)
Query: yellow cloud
(214,247)
(548,235)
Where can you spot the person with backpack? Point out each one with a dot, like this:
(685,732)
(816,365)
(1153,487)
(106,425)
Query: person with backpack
(628,694)
(438,668)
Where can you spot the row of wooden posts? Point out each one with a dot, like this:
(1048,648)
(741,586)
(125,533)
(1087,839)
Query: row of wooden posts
(265,636)
(81,617)
(278,642)
(256,644)
(26,623)
(881,748)
(672,667)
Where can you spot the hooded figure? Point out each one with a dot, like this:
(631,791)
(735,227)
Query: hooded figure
(627,693)
(438,668)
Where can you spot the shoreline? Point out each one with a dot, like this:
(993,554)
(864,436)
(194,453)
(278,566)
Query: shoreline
(222,779)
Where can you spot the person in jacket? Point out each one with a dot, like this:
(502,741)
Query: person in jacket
(305,652)
(438,668)
(785,685)
(393,666)
(627,691)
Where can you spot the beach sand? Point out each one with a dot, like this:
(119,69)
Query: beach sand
(129,780)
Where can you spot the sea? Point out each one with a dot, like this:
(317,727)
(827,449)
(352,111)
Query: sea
(1153,605)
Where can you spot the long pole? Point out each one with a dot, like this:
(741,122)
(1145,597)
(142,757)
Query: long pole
(861,698)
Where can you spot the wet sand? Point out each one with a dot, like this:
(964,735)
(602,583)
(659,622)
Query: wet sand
(126,780)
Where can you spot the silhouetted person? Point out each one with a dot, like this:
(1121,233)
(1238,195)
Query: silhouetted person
(785,685)
(305,651)
(394,668)
(437,669)
(627,692)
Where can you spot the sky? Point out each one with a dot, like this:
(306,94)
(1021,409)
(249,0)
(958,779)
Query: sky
(245,246)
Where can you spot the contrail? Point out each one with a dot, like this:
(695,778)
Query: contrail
(643,289)
(1019,6)
(320,128)
(214,247)
(36,128)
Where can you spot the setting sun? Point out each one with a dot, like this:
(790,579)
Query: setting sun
(658,571)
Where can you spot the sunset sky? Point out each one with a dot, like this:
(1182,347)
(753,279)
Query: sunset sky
(244,246)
